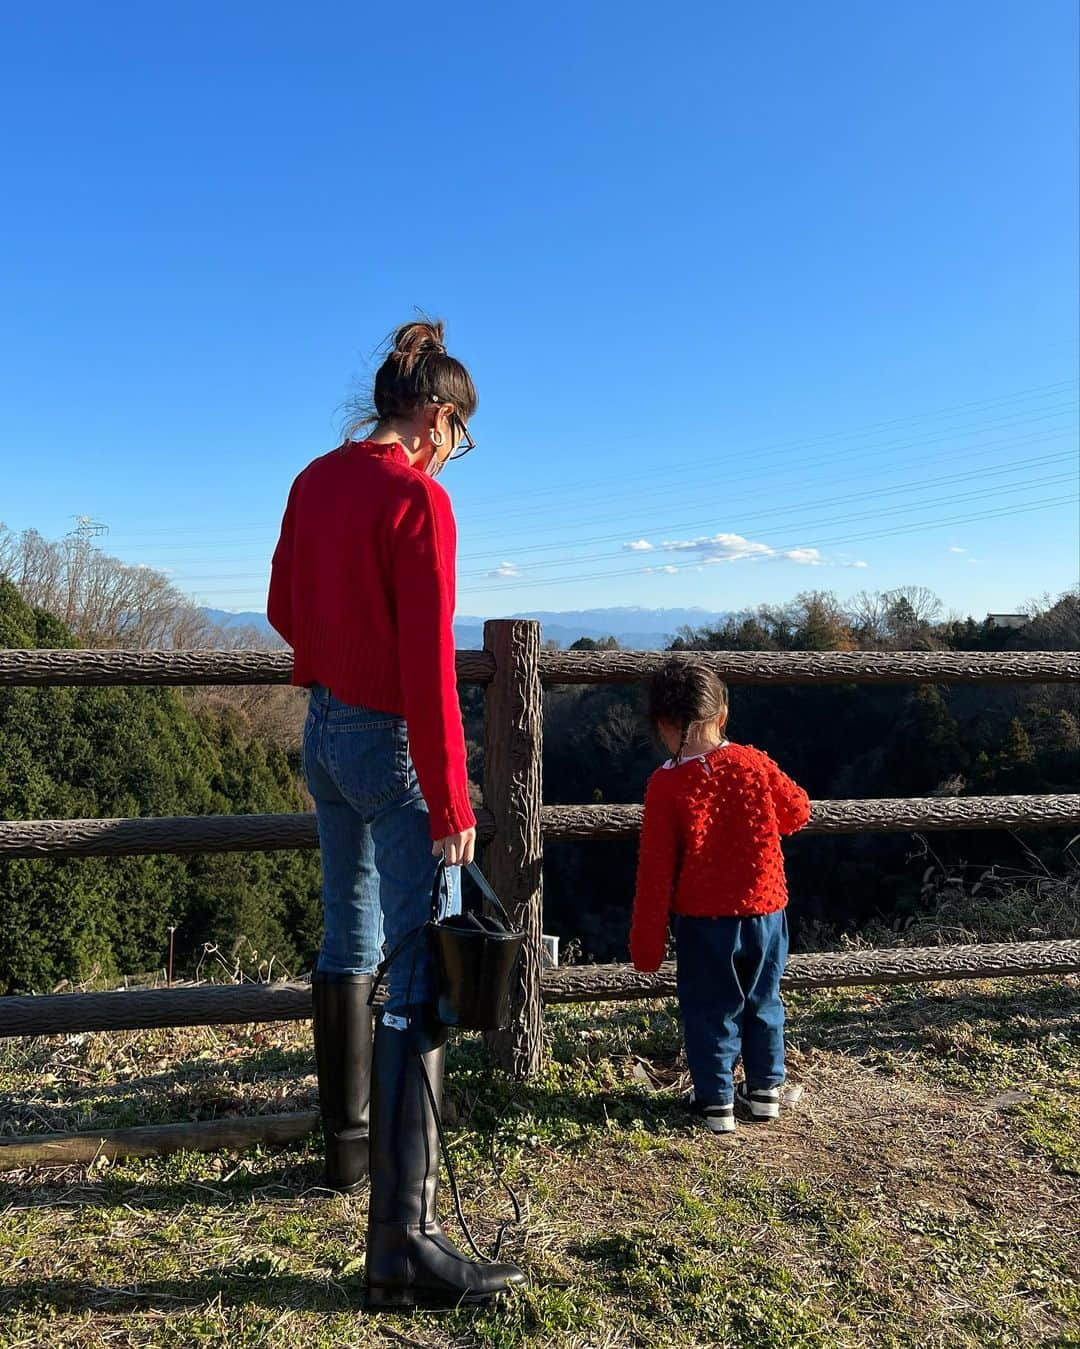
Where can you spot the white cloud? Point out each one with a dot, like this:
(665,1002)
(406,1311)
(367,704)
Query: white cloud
(719,547)
(505,569)
(668,570)
(639,546)
(953,548)
(714,548)
(859,564)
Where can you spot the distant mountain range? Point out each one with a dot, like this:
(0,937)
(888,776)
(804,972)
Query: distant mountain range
(226,618)
(634,627)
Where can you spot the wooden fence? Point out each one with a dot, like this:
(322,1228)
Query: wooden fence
(513,826)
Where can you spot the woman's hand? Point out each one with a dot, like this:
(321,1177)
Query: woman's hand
(456,849)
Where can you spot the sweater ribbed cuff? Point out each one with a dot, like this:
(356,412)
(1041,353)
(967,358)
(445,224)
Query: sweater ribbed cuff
(452,816)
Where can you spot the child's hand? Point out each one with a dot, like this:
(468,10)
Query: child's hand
(645,959)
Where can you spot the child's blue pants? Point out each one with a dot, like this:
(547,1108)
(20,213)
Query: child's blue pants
(729,991)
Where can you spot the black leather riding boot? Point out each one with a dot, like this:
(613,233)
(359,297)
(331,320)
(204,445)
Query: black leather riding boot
(410,1258)
(342,1022)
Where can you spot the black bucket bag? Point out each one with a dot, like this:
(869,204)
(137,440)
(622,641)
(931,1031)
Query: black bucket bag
(475,956)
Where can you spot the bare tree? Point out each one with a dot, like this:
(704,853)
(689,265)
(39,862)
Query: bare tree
(925,605)
(104,601)
(868,613)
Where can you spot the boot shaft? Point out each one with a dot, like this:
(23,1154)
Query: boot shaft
(404,1133)
(342,1028)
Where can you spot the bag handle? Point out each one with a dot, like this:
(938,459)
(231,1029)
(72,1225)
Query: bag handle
(482,885)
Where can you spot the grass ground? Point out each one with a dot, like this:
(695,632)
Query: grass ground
(925,1191)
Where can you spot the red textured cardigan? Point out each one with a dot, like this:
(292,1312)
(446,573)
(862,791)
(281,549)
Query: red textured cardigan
(362,589)
(710,843)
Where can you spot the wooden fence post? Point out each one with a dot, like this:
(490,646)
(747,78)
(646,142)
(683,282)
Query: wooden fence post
(513,719)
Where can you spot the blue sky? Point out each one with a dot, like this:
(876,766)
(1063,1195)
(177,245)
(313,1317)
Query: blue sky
(759,298)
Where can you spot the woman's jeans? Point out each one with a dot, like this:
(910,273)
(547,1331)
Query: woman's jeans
(728,977)
(377,865)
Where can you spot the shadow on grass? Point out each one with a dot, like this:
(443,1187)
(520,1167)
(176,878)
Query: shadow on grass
(911,1020)
(500,1110)
(1018,1015)
(288,1181)
(190,1090)
(252,1284)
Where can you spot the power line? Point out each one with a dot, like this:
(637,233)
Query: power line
(768,513)
(955,410)
(730,500)
(687,489)
(690,485)
(1044,504)
(688,545)
(86,529)
(874,428)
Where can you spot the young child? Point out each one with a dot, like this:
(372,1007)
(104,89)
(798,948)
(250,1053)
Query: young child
(710,854)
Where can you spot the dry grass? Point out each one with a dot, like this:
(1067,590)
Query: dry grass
(923,1192)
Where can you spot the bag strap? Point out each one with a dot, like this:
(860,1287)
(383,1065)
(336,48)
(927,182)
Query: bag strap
(482,885)
(489,894)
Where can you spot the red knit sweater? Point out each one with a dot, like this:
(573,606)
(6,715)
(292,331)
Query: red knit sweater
(362,589)
(710,843)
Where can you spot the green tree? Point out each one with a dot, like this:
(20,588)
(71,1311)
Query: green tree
(926,749)
(595,644)
(71,753)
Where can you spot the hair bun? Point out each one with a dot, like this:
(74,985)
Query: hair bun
(416,372)
(420,338)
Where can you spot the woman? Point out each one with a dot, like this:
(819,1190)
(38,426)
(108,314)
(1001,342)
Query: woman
(362,589)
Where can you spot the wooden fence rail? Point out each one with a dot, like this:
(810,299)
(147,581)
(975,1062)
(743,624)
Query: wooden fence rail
(80,667)
(880,816)
(275,833)
(41,668)
(83,1146)
(288,1000)
(821,667)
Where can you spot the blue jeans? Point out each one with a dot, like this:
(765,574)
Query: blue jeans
(728,978)
(377,866)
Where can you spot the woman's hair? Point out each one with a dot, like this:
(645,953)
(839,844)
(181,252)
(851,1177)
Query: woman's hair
(686,692)
(417,370)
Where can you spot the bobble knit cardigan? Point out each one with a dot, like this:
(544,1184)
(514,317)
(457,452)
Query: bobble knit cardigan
(710,843)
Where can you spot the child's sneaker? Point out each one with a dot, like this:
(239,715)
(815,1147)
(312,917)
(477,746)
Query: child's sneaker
(763,1103)
(719,1118)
